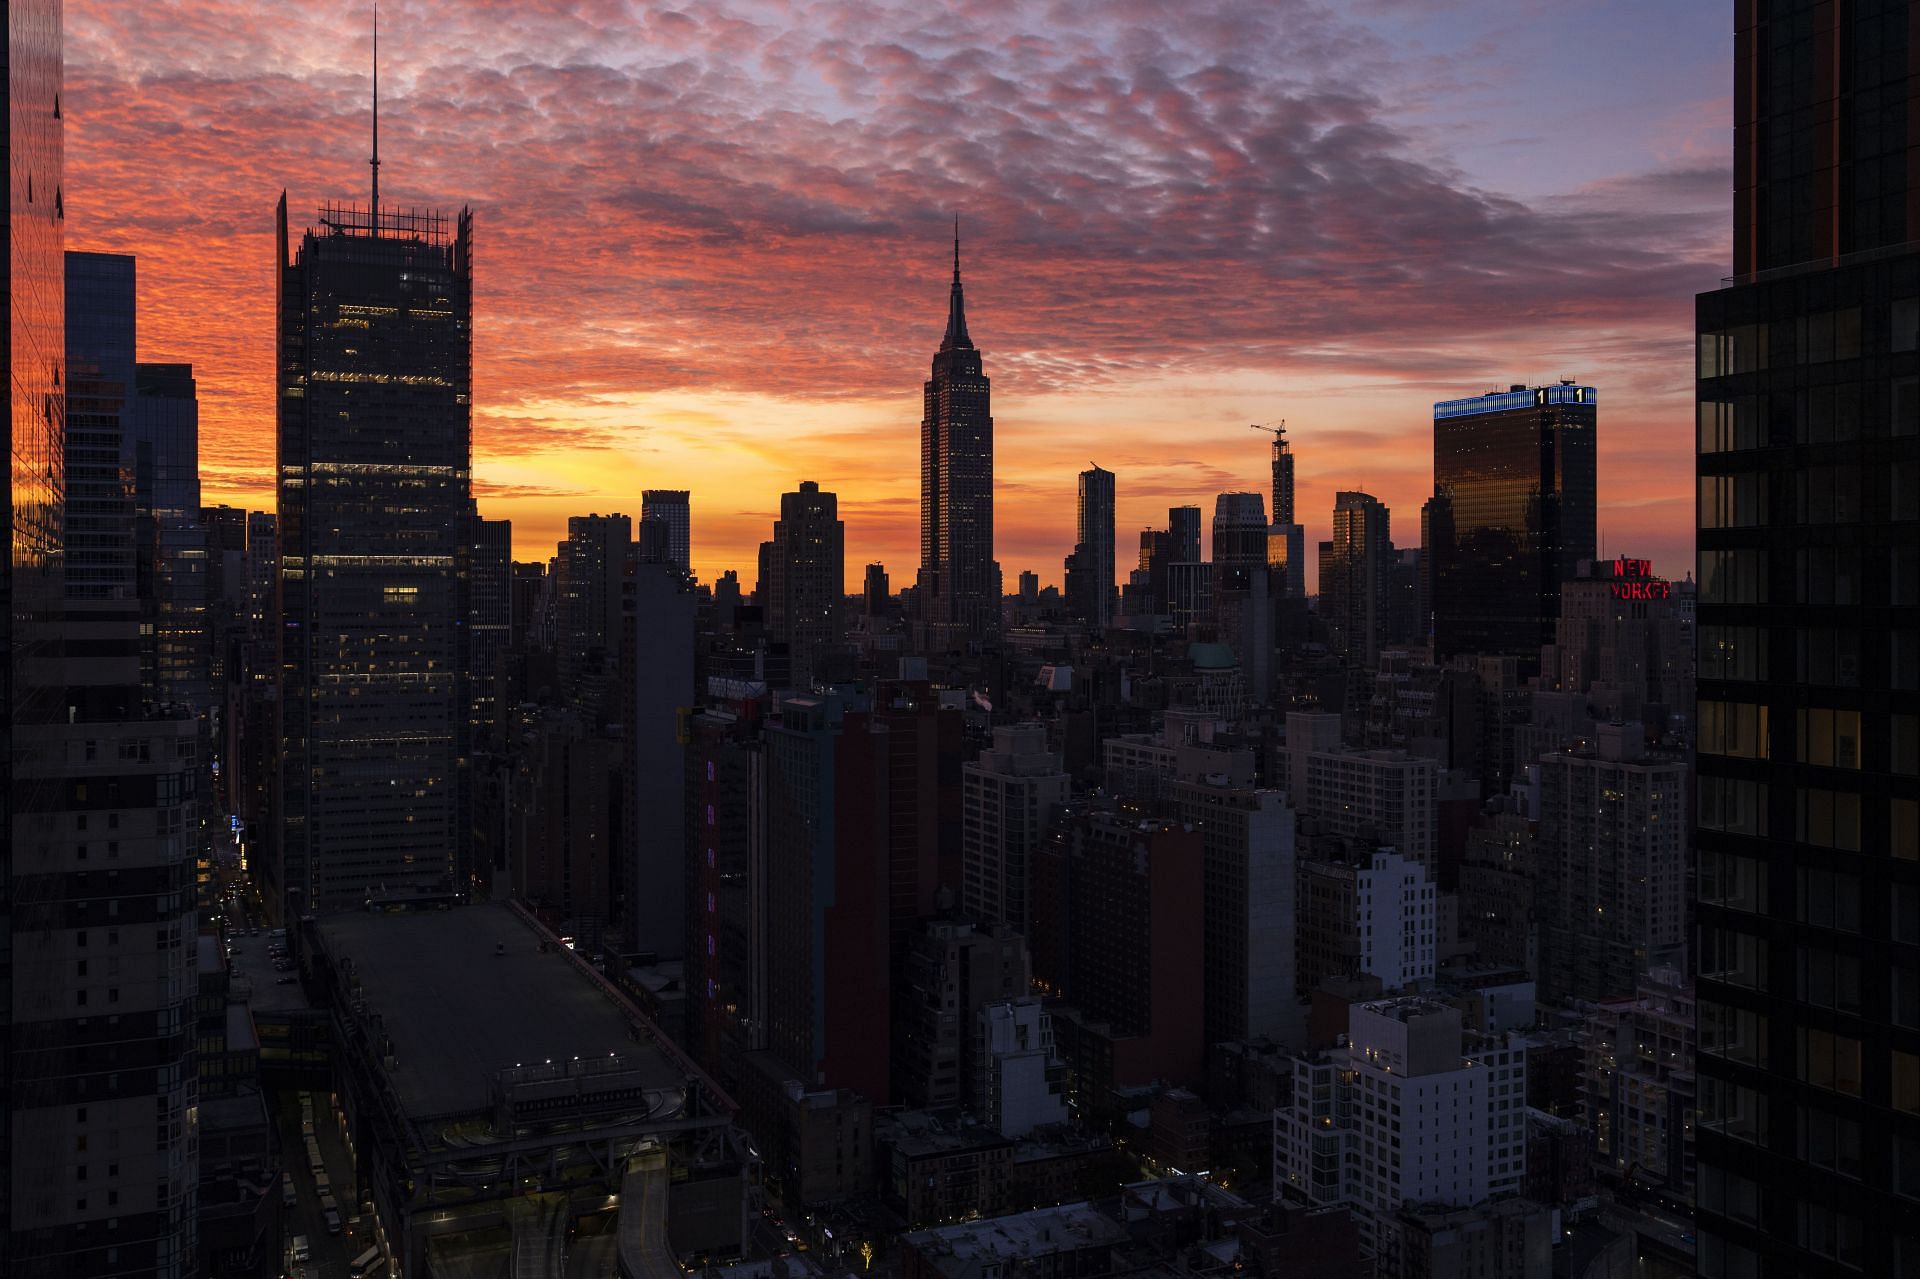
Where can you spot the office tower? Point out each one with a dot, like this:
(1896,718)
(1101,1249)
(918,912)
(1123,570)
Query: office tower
(653,872)
(1412,1109)
(163,449)
(1514,476)
(589,581)
(1405,571)
(374,388)
(1249,877)
(672,508)
(562,823)
(227,632)
(950,970)
(1029,586)
(1374,916)
(1183,524)
(1119,921)
(926,749)
(1356,578)
(805,584)
(1009,795)
(826,868)
(1386,797)
(1090,568)
(958,589)
(489,625)
(878,598)
(101,1123)
(1019,1081)
(1239,542)
(1809,486)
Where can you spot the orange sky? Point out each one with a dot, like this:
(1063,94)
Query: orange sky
(711,242)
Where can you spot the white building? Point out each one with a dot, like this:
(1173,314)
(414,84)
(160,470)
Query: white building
(1414,1109)
(1379,917)
(1386,796)
(1008,796)
(1021,1083)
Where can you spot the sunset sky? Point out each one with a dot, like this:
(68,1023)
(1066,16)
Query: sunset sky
(712,239)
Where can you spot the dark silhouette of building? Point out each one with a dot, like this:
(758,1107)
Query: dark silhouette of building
(958,588)
(374,386)
(1090,567)
(805,582)
(1514,478)
(1808,708)
(1356,578)
(672,508)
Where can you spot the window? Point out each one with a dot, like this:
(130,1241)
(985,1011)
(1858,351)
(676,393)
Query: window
(1733,728)
(1830,1233)
(1827,657)
(1730,880)
(1826,979)
(1733,652)
(1734,1111)
(1829,1060)
(1728,1193)
(1906,1082)
(1733,804)
(1904,664)
(1733,577)
(1829,819)
(1828,899)
(1731,425)
(1733,1033)
(1906,324)
(1733,501)
(1903,746)
(1903,829)
(1904,902)
(1827,576)
(1823,495)
(1829,738)
(1829,1141)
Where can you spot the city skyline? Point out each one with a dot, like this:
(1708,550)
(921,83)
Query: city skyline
(663,336)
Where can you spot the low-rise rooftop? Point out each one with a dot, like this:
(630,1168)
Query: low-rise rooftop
(466,993)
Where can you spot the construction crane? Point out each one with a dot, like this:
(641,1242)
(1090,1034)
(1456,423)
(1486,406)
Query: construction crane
(1278,430)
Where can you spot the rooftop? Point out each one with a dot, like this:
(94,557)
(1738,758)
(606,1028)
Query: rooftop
(1020,1237)
(457,1013)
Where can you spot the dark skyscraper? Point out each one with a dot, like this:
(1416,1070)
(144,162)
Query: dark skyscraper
(375,383)
(163,448)
(806,578)
(1286,540)
(1514,479)
(1090,567)
(1356,577)
(674,509)
(1808,708)
(30,578)
(958,587)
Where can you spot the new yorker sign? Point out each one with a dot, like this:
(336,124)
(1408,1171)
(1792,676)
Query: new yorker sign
(1634,580)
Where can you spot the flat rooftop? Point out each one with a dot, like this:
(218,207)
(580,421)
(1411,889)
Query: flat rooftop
(458,1013)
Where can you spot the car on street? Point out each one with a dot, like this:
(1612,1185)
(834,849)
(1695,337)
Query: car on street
(332,1217)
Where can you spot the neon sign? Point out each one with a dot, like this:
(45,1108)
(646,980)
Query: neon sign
(1634,580)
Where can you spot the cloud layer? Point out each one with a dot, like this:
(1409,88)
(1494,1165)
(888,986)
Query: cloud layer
(712,243)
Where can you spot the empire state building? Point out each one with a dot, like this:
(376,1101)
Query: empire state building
(959,582)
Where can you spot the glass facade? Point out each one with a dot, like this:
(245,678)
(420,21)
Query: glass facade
(163,444)
(1513,514)
(1808,825)
(374,387)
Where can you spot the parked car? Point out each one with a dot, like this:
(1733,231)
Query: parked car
(332,1217)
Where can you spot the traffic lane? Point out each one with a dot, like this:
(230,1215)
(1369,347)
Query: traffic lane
(329,1252)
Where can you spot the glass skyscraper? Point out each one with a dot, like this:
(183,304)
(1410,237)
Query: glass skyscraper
(374,387)
(1808,711)
(1513,514)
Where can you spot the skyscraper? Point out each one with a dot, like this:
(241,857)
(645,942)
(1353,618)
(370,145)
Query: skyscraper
(1008,798)
(375,387)
(1514,480)
(673,508)
(1090,568)
(30,578)
(1356,576)
(806,577)
(163,448)
(958,589)
(1286,540)
(1808,705)
(1241,607)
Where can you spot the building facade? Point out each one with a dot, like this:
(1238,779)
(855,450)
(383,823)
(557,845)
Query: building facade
(1008,797)
(375,332)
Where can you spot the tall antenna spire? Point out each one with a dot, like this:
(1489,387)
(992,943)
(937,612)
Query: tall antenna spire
(374,163)
(956,248)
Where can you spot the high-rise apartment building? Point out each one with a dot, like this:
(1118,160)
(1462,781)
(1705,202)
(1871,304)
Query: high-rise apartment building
(1512,516)
(163,450)
(949,971)
(1356,578)
(805,586)
(1808,706)
(1286,540)
(1387,797)
(958,589)
(1008,795)
(1612,857)
(1375,916)
(653,869)
(374,386)
(1090,567)
(589,587)
(1242,613)
(673,508)
(1413,1109)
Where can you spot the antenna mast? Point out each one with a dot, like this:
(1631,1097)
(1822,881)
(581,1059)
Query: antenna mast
(374,163)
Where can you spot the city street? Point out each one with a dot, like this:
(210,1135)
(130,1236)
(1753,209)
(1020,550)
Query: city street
(331,1253)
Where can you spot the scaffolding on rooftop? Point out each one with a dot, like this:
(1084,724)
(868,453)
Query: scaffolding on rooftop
(425,225)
